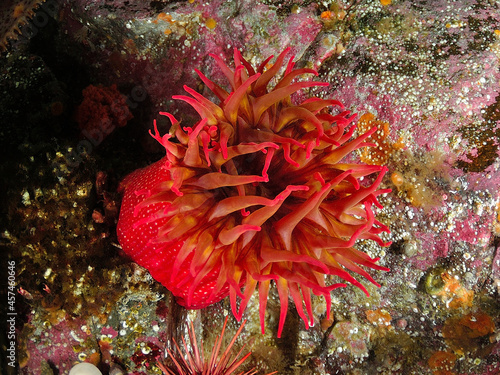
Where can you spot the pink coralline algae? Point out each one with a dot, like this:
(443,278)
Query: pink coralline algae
(257,191)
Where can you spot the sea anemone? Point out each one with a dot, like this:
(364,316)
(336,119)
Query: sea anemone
(193,361)
(258,191)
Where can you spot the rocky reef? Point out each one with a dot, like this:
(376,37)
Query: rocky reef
(425,73)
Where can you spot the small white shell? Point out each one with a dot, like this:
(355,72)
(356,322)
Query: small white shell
(85,368)
(116,370)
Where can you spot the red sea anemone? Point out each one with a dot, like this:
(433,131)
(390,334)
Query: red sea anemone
(257,191)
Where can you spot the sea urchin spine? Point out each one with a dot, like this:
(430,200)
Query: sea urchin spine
(193,361)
